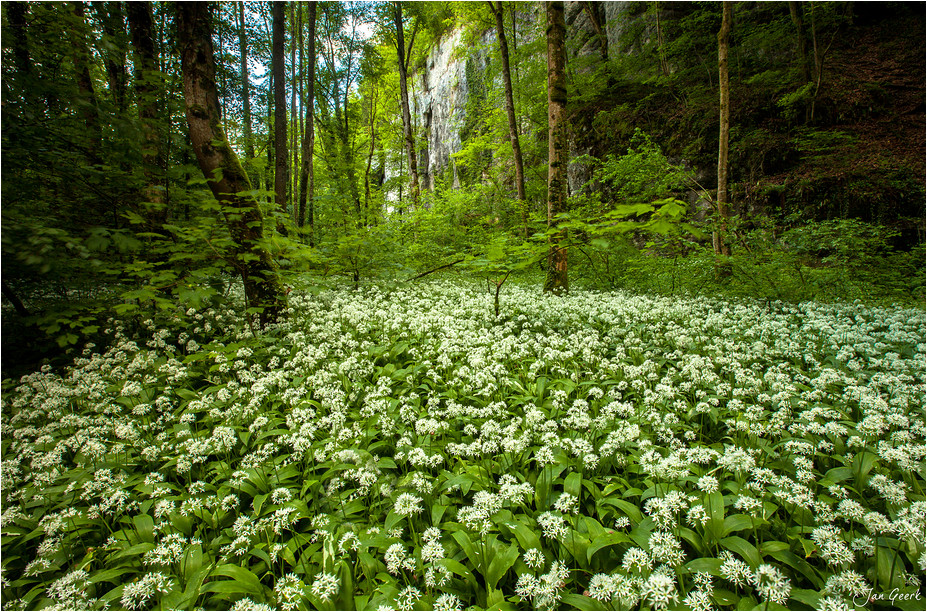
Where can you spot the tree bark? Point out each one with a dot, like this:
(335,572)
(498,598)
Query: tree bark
(110,15)
(373,140)
(293,159)
(558,155)
(220,165)
(281,165)
(404,96)
(245,85)
(719,238)
(16,14)
(88,104)
(307,176)
(795,10)
(592,11)
(496,9)
(148,96)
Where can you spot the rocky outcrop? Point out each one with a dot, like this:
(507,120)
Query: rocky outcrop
(442,86)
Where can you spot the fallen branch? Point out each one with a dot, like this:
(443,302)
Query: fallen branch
(423,274)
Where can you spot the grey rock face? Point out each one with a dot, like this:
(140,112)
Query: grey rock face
(440,91)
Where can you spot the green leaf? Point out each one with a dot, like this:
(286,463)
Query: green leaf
(739,522)
(708,565)
(458,568)
(743,548)
(797,563)
(581,602)
(244,579)
(714,507)
(809,598)
(144,527)
(500,564)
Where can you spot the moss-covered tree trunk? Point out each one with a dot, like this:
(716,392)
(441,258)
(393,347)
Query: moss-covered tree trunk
(245,85)
(306,175)
(88,104)
(719,239)
(149,93)
(220,165)
(496,8)
(558,154)
(281,160)
(404,97)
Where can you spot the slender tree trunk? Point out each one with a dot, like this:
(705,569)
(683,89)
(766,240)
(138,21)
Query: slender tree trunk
(114,54)
(245,85)
(148,98)
(16,14)
(558,154)
(795,10)
(271,146)
(404,96)
(220,165)
(18,305)
(510,103)
(307,177)
(301,97)
(592,11)
(88,103)
(292,177)
(281,176)
(661,48)
(719,238)
(373,140)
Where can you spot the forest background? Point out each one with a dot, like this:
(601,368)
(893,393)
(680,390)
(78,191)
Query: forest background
(353,170)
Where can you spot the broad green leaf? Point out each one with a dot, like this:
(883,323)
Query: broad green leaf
(500,564)
(743,548)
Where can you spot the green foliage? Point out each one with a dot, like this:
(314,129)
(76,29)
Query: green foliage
(407,448)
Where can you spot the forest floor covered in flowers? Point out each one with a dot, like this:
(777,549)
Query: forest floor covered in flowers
(407,449)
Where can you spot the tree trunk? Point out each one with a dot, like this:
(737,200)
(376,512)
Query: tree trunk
(245,85)
(795,10)
(719,239)
(16,14)
(110,15)
(281,165)
(148,98)
(510,103)
(220,165)
(306,178)
(558,154)
(293,161)
(373,140)
(269,168)
(592,10)
(88,103)
(404,96)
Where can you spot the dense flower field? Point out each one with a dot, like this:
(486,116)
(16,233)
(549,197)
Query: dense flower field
(407,450)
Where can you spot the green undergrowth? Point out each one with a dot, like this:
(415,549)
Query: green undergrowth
(410,449)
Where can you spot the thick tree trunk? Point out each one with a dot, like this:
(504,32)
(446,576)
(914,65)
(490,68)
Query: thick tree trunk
(719,239)
(404,96)
(558,154)
(245,85)
(306,178)
(281,165)
(496,9)
(220,165)
(148,97)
